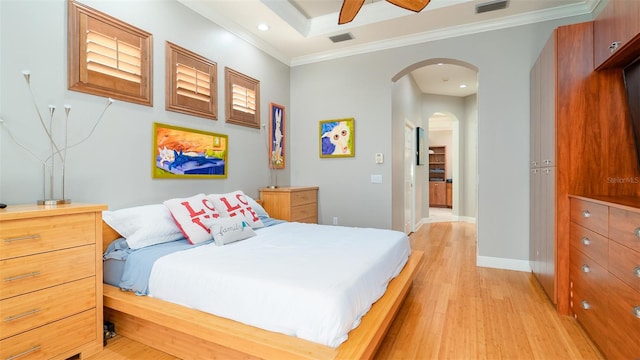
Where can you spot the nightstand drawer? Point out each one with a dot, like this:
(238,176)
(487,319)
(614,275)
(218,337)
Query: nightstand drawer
(624,227)
(592,216)
(304,197)
(53,339)
(37,235)
(35,272)
(25,312)
(308,211)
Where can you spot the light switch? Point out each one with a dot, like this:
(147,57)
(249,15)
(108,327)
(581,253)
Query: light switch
(379,158)
(376,179)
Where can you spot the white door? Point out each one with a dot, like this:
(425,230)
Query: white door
(409,178)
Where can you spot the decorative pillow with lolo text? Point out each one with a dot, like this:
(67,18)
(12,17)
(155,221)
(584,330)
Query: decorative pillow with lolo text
(191,214)
(235,204)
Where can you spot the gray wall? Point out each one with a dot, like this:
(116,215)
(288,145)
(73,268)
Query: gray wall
(114,165)
(360,86)
(406,106)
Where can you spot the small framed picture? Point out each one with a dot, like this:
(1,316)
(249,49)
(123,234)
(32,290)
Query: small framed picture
(420,146)
(337,138)
(276,136)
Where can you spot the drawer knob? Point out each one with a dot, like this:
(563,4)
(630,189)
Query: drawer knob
(586,214)
(27,352)
(636,271)
(586,305)
(586,241)
(636,232)
(586,268)
(636,311)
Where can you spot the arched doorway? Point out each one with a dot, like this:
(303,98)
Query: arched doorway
(463,152)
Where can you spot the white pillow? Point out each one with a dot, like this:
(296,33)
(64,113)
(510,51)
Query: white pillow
(227,230)
(143,225)
(190,215)
(236,204)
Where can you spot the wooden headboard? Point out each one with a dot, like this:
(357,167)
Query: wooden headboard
(108,235)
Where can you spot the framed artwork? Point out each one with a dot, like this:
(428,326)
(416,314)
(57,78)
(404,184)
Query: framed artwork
(276,136)
(337,138)
(420,144)
(180,153)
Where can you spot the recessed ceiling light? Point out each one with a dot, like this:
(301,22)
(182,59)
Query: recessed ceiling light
(462,86)
(263,27)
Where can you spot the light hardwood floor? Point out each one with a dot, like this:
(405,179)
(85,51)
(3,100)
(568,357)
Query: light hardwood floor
(456,310)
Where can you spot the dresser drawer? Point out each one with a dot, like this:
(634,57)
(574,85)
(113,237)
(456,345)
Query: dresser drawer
(301,212)
(590,243)
(624,227)
(37,235)
(592,216)
(24,312)
(53,339)
(304,197)
(624,263)
(587,273)
(624,322)
(30,273)
(591,312)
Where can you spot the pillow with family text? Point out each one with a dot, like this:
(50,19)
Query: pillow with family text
(190,214)
(143,226)
(236,204)
(230,229)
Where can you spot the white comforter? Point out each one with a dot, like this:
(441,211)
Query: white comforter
(310,281)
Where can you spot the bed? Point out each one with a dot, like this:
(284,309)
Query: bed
(189,333)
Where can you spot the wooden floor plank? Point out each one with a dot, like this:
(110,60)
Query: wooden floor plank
(456,310)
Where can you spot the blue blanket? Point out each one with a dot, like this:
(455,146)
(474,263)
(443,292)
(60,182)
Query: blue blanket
(135,265)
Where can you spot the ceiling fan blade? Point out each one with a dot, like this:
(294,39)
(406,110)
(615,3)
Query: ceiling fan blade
(349,10)
(413,5)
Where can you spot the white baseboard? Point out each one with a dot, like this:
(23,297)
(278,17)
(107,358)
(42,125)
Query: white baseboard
(468,219)
(502,263)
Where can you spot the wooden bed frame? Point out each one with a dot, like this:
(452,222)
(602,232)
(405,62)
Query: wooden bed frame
(192,334)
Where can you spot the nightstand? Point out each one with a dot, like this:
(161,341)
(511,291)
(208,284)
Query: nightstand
(298,204)
(51,281)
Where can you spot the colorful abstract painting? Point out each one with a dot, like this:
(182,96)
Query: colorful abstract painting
(337,138)
(187,153)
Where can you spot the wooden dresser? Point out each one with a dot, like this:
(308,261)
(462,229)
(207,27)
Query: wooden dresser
(51,281)
(291,203)
(605,272)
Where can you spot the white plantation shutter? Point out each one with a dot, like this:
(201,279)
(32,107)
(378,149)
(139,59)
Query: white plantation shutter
(192,83)
(243,99)
(111,56)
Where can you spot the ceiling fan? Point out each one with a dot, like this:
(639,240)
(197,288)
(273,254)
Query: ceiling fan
(350,8)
